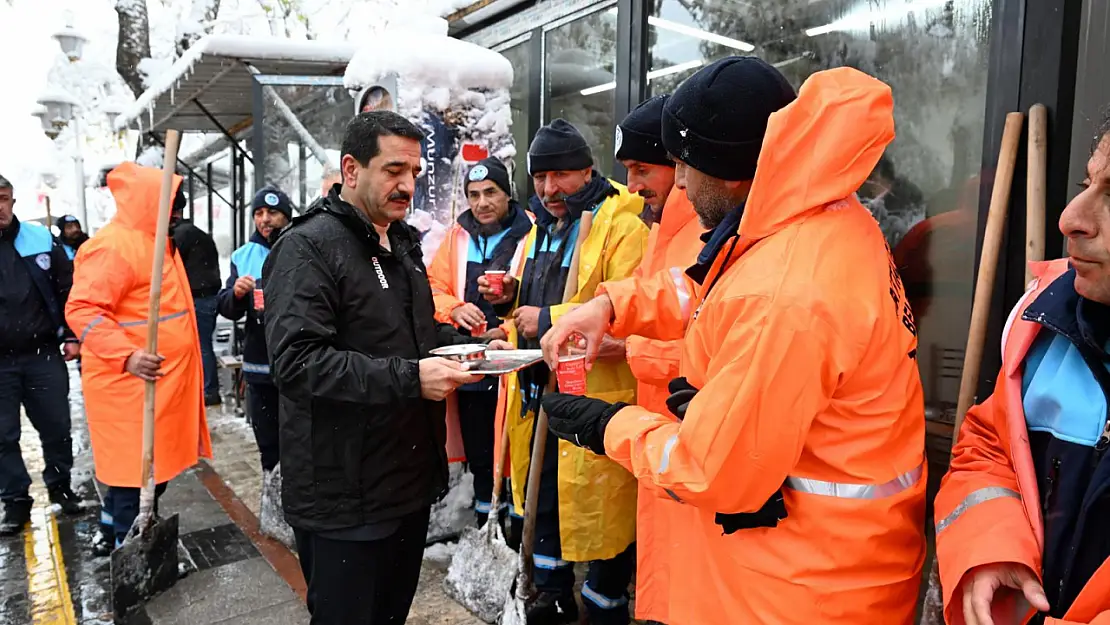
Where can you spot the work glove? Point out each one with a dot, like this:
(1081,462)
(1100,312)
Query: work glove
(579,420)
(768,516)
(682,393)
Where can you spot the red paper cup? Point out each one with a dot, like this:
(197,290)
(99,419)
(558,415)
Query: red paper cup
(496,282)
(571,374)
(259,302)
(478,330)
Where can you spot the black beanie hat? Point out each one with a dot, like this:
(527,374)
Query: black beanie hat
(558,146)
(66,219)
(715,121)
(640,135)
(270,196)
(491,169)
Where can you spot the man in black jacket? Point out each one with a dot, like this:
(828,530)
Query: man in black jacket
(202,265)
(363,430)
(35,278)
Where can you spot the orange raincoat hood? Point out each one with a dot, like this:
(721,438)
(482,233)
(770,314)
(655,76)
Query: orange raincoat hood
(819,149)
(136,190)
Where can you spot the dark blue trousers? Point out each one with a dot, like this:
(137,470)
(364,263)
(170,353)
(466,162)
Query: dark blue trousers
(39,383)
(605,591)
(120,508)
(206,326)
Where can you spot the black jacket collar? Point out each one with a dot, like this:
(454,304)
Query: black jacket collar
(12,231)
(715,239)
(404,238)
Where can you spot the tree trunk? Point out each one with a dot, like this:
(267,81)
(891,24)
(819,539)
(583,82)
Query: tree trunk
(134,42)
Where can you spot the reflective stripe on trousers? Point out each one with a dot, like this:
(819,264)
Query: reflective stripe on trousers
(975,498)
(901,483)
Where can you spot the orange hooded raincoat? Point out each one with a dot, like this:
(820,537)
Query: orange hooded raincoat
(989,506)
(660,523)
(803,352)
(107,308)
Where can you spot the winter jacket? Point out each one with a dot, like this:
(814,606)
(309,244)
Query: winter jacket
(200,257)
(248,261)
(347,323)
(594,523)
(108,307)
(37,277)
(1029,480)
(660,522)
(802,347)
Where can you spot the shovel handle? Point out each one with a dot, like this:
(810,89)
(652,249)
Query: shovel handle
(161,233)
(499,468)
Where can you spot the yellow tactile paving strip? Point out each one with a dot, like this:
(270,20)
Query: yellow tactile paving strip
(47,584)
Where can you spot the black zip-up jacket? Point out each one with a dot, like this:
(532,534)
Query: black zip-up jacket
(200,257)
(359,445)
(256,364)
(35,279)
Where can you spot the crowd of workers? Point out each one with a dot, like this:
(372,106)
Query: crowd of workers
(749,445)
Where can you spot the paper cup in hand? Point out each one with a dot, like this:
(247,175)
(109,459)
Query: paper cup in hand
(478,329)
(496,281)
(571,374)
(259,302)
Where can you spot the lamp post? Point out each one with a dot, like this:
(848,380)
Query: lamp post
(55,111)
(48,180)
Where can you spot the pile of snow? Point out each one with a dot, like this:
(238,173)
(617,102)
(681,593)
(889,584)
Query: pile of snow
(431,231)
(456,510)
(440,553)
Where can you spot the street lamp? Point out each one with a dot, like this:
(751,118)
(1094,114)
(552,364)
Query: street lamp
(112,109)
(55,110)
(72,42)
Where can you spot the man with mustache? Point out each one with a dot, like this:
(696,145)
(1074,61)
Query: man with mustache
(244,296)
(674,242)
(349,328)
(577,521)
(1021,516)
(488,237)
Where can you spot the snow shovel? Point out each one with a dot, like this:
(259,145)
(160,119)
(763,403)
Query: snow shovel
(516,606)
(146,563)
(482,570)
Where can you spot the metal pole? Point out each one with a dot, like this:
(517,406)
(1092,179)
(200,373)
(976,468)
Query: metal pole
(211,229)
(231,204)
(79,162)
(192,192)
(241,202)
(302,174)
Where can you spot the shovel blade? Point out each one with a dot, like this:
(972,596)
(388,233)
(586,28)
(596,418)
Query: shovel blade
(143,567)
(482,572)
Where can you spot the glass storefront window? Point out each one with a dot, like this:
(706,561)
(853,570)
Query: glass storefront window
(579,80)
(924,193)
(520,56)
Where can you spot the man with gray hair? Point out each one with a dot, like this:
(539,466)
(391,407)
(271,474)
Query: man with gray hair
(37,276)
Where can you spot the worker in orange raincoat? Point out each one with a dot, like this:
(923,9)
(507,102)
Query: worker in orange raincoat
(489,236)
(107,308)
(1021,517)
(675,241)
(799,438)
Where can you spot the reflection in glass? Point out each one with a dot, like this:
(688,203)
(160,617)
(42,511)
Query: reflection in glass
(579,66)
(924,192)
(290,162)
(520,56)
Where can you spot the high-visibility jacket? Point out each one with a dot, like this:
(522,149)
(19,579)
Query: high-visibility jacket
(988,509)
(803,350)
(595,523)
(107,308)
(661,523)
(447,276)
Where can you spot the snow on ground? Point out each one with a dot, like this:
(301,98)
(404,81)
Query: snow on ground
(440,553)
(455,511)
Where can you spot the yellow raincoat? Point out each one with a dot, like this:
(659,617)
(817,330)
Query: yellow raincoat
(597,497)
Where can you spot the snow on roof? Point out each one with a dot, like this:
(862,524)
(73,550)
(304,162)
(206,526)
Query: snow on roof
(431,59)
(240,47)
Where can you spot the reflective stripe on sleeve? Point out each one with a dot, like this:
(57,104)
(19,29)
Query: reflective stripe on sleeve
(678,276)
(975,498)
(142,322)
(857,491)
